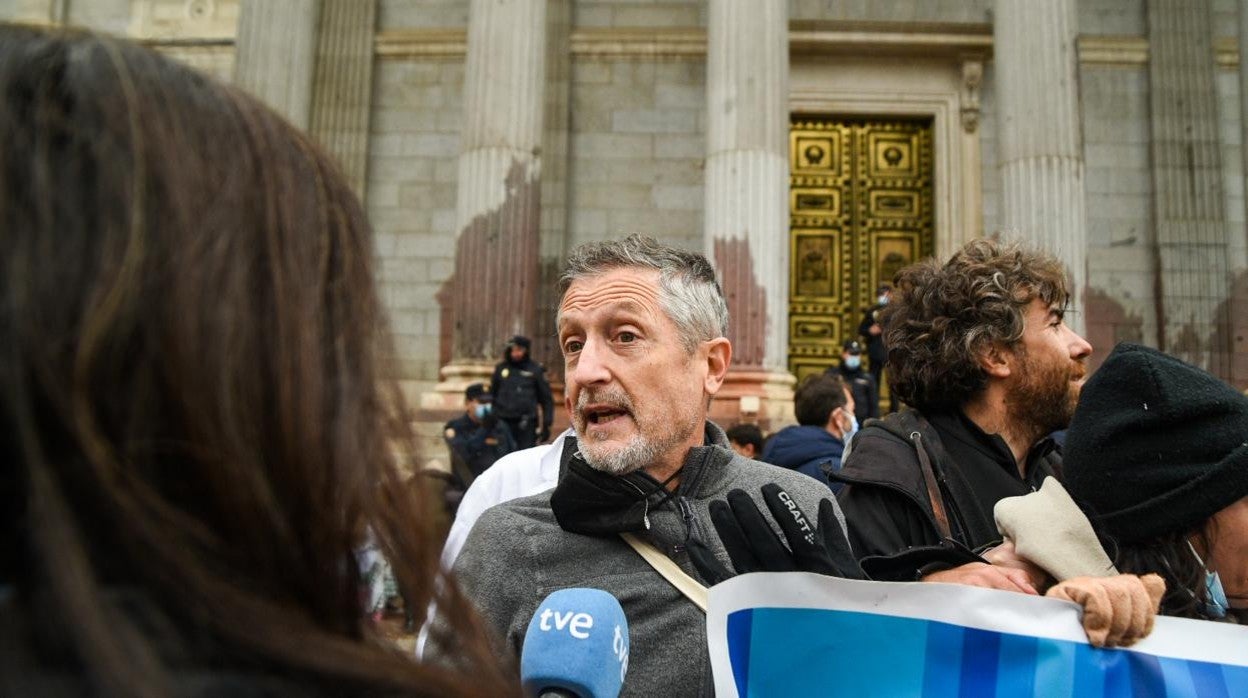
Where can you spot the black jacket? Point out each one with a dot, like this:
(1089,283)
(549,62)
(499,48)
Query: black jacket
(886,503)
(475,445)
(862,386)
(875,342)
(519,388)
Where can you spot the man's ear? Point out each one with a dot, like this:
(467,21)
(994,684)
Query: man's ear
(718,357)
(996,360)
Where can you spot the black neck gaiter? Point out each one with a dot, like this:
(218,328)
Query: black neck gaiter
(591,502)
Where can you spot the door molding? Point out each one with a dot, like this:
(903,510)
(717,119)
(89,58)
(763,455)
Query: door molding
(910,87)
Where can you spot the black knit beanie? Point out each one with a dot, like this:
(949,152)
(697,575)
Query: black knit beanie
(1156,445)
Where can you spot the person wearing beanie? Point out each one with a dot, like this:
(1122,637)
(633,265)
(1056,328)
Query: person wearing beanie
(1157,456)
(520,387)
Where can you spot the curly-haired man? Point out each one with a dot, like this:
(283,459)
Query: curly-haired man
(978,349)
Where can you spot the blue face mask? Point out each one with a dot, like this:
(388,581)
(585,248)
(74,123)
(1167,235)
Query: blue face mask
(883,300)
(851,429)
(853,362)
(482,411)
(1216,604)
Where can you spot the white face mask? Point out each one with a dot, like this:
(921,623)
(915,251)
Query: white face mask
(853,429)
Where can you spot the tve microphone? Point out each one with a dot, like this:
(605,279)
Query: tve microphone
(576,645)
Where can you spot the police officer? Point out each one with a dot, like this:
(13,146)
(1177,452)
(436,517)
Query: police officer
(873,334)
(519,387)
(861,384)
(476,438)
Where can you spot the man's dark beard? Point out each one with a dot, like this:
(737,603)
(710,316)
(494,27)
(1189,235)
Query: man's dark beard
(1043,400)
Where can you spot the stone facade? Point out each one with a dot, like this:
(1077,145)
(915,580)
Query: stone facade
(625,144)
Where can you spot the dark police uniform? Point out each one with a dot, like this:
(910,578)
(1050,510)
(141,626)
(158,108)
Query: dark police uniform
(519,387)
(475,445)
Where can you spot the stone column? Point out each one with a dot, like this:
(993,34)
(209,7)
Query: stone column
(747,188)
(494,290)
(342,85)
(1040,143)
(276,54)
(312,61)
(1188,200)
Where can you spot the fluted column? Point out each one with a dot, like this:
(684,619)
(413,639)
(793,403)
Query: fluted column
(1188,199)
(1039,136)
(747,185)
(312,61)
(495,287)
(276,54)
(343,84)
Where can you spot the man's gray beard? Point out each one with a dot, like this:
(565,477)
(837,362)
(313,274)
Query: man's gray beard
(640,452)
(637,454)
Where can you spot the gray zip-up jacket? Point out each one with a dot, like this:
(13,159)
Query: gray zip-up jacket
(517,554)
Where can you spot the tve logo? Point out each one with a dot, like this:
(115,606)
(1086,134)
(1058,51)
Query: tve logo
(576,623)
(619,645)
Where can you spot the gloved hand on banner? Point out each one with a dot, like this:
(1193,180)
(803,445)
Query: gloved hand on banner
(753,545)
(1117,611)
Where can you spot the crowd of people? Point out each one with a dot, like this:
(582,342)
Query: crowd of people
(201,430)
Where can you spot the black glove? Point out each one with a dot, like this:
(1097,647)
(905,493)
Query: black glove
(544,435)
(753,546)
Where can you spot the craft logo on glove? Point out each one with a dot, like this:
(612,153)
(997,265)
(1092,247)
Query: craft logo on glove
(807,532)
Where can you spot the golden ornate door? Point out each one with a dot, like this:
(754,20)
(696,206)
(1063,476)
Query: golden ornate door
(860,208)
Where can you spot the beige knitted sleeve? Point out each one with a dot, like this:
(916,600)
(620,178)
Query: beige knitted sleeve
(1049,529)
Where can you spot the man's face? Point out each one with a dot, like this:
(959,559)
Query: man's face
(637,398)
(516,352)
(1049,371)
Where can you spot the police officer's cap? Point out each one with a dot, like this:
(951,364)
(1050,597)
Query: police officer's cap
(853,347)
(477,392)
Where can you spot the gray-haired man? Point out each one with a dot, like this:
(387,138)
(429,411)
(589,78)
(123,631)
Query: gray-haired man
(641,327)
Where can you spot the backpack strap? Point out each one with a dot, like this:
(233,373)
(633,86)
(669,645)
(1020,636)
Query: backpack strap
(933,486)
(913,428)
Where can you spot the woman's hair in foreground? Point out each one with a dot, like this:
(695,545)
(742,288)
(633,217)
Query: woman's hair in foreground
(942,316)
(193,409)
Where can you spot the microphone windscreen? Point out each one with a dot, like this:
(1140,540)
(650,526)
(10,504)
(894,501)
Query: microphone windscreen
(577,642)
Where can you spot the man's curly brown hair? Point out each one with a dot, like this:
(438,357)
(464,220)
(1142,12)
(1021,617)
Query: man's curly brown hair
(941,317)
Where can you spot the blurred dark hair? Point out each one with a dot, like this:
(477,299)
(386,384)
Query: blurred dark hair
(817,397)
(195,426)
(743,434)
(942,316)
(1171,557)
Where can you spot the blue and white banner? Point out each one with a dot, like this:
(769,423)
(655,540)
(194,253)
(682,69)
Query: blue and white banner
(798,634)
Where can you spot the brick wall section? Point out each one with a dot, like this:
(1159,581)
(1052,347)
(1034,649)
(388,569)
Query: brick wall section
(892,10)
(1121,263)
(1113,17)
(637,149)
(639,13)
(422,14)
(412,167)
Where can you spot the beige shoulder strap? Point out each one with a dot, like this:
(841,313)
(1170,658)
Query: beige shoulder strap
(685,584)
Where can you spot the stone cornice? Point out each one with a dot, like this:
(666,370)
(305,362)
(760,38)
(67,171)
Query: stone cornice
(1132,51)
(421,43)
(638,42)
(890,39)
